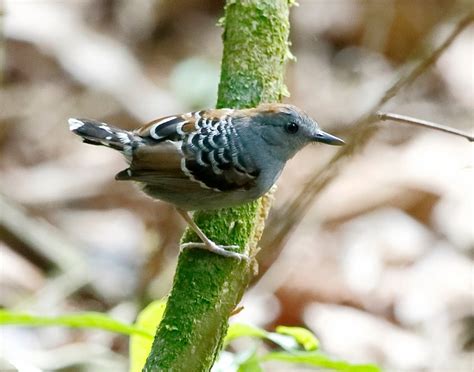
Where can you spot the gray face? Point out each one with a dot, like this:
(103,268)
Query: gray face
(288,129)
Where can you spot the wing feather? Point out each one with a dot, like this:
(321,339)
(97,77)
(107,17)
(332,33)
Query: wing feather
(201,147)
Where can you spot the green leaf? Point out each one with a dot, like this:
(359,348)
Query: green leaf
(148,319)
(285,342)
(319,359)
(291,339)
(250,364)
(303,336)
(237,330)
(82,320)
(288,338)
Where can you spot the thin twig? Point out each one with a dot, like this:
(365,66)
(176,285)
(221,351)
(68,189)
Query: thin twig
(384,116)
(282,223)
(428,60)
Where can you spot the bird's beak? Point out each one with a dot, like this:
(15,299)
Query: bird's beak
(324,137)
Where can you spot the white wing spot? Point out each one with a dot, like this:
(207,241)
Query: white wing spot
(165,120)
(74,124)
(123,137)
(214,166)
(201,141)
(179,128)
(189,139)
(153,133)
(220,154)
(211,139)
(106,128)
(199,159)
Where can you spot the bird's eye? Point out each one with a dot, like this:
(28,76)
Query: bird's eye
(292,128)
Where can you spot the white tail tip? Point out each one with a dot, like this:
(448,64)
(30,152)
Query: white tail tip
(74,124)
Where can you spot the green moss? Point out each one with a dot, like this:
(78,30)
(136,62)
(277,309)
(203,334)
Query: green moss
(226,226)
(256,48)
(207,287)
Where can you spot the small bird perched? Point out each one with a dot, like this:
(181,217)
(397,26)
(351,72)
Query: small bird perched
(209,159)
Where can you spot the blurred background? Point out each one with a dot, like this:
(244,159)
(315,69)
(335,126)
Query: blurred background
(380,268)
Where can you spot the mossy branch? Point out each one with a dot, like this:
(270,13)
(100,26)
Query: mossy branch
(208,287)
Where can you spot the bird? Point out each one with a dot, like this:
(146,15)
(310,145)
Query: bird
(209,159)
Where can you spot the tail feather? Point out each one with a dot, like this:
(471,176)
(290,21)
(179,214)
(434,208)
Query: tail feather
(96,133)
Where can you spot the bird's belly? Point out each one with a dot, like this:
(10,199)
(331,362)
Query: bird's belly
(203,198)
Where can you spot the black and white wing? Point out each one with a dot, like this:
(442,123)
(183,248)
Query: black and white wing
(203,147)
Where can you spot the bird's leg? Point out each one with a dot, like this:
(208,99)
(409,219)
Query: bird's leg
(208,244)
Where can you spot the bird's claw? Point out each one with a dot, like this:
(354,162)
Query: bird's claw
(222,250)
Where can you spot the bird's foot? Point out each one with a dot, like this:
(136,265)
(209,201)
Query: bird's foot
(221,250)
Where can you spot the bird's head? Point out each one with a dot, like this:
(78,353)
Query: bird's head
(287,128)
